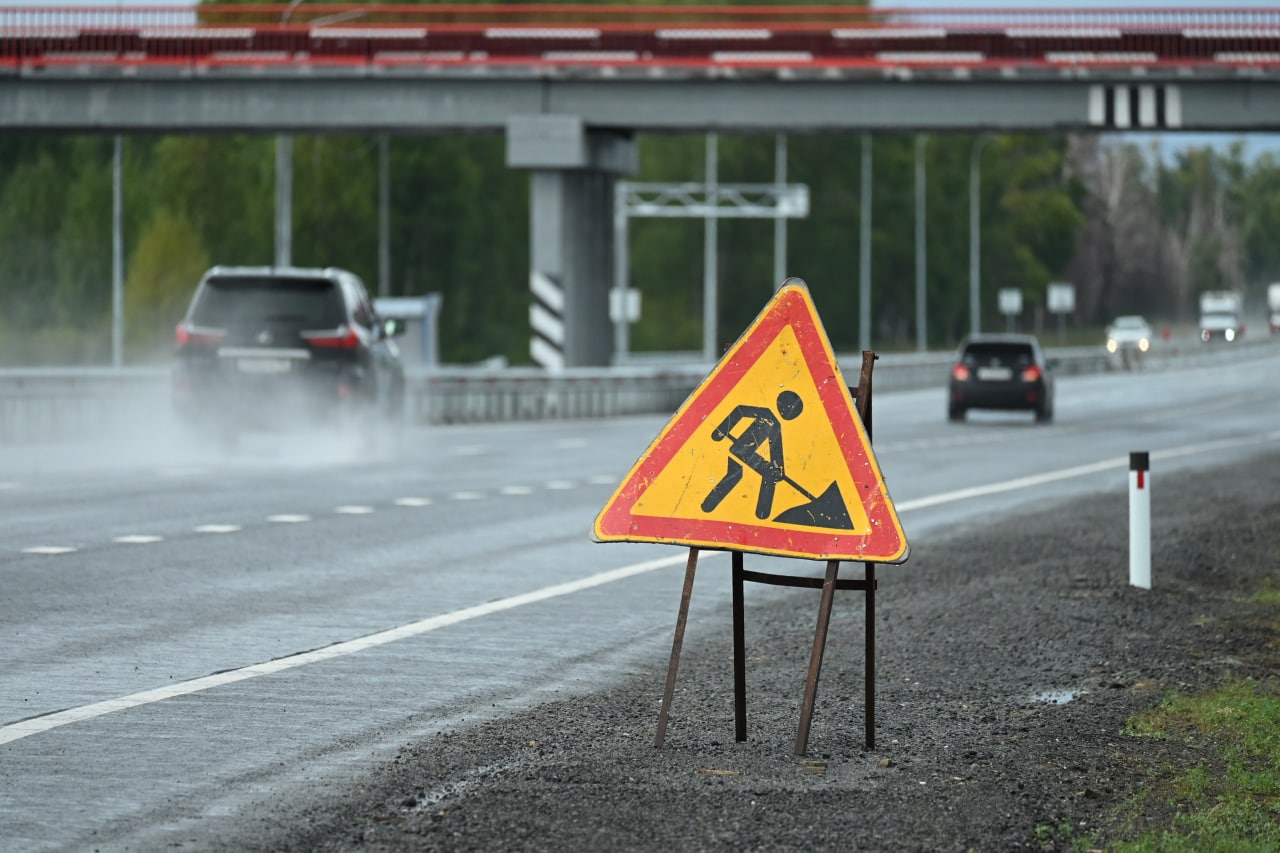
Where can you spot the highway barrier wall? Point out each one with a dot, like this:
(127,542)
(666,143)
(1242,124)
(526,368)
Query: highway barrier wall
(41,405)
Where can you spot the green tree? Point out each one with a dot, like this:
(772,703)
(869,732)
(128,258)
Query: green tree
(460,227)
(1261,208)
(224,185)
(168,259)
(31,206)
(1028,239)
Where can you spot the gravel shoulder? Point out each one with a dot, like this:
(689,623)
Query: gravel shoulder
(1008,659)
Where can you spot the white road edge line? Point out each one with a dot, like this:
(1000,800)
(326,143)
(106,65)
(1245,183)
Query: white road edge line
(38,725)
(1080,471)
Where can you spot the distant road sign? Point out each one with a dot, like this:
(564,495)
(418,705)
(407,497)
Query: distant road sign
(767,455)
(1010,301)
(1061,298)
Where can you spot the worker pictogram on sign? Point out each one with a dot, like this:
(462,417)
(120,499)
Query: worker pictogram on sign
(767,455)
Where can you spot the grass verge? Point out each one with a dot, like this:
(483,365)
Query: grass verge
(1230,799)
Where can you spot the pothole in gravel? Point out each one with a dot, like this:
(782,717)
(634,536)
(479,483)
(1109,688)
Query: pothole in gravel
(1056,697)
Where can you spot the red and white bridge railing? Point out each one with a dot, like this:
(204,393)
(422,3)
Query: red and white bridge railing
(820,37)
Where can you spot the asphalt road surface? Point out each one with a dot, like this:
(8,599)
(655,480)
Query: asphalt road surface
(188,635)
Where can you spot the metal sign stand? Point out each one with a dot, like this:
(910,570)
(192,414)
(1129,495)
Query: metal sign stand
(828,584)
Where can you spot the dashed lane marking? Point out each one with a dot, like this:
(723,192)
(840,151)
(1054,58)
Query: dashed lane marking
(217,528)
(467,496)
(138,539)
(412,502)
(50,549)
(603,480)
(516,490)
(353,509)
(559,485)
(288,518)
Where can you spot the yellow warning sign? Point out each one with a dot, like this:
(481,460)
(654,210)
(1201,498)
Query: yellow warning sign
(767,455)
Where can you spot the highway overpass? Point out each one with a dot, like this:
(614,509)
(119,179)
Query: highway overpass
(570,86)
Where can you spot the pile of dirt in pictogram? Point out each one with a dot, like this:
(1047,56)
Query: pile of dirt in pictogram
(1009,661)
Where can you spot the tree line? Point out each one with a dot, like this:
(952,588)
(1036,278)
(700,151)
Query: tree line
(1134,231)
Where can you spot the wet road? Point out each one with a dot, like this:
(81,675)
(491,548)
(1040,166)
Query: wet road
(185,634)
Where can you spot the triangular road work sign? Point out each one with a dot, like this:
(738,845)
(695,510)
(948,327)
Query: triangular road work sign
(767,455)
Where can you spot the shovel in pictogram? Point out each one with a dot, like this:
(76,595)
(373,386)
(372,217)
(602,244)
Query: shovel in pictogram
(825,510)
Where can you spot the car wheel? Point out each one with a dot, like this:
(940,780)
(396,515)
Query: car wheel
(955,413)
(1044,413)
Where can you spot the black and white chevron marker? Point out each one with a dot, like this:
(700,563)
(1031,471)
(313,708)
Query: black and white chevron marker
(546,317)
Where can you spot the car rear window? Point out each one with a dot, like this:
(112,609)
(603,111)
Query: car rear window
(1013,354)
(305,303)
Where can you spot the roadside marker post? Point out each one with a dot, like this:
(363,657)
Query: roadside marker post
(1140,519)
(769,455)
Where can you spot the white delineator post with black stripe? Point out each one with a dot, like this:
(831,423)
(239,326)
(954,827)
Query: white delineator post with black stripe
(1140,519)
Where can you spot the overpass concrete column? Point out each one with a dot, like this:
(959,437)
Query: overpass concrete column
(571,204)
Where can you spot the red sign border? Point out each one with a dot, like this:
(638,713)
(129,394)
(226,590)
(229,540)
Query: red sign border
(886,543)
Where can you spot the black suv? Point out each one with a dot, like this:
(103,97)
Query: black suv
(1000,372)
(268,346)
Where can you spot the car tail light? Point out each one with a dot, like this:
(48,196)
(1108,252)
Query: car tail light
(344,337)
(194,335)
(1031,374)
(960,373)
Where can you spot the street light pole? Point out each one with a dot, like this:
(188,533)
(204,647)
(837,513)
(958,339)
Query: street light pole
(779,222)
(709,273)
(384,215)
(284,183)
(864,252)
(922,319)
(117,254)
(975,287)
(284,200)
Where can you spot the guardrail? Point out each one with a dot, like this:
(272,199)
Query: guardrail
(63,404)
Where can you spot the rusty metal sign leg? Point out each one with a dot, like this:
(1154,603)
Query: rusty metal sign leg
(815,659)
(675,647)
(869,717)
(739,653)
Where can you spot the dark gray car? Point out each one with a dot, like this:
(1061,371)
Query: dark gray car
(1008,372)
(270,346)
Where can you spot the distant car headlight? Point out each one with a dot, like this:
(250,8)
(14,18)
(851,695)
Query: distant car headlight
(1112,346)
(1144,344)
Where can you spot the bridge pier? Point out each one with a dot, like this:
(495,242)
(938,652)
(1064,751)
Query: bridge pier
(574,173)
